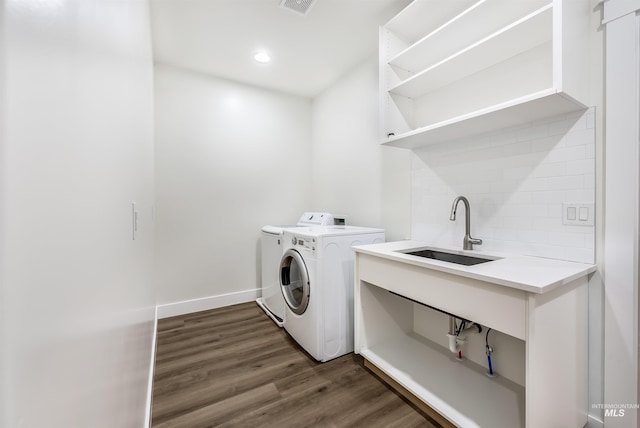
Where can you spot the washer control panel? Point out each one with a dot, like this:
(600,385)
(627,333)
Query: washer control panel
(305,243)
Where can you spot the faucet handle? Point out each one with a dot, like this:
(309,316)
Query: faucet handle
(468,242)
(475,241)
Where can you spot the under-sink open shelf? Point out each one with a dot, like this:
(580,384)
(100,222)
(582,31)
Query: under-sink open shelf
(541,332)
(460,390)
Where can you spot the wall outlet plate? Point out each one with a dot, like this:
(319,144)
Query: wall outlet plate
(578,214)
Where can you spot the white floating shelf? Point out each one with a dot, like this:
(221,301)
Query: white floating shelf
(431,12)
(520,36)
(537,106)
(473,24)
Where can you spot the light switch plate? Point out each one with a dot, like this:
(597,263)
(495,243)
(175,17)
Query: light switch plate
(578,214)
(134,221)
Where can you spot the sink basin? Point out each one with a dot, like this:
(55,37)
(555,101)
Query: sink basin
(460,259)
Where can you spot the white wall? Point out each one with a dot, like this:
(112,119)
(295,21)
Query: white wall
(5,390)
(352,173)
(76,149)
(230,158)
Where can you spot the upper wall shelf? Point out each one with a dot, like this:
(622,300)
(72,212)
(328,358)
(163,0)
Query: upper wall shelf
(432,14)
(478,22)
(444,63)
(519,111)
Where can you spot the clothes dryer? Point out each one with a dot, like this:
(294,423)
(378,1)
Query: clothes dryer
(271,300)
(316,278)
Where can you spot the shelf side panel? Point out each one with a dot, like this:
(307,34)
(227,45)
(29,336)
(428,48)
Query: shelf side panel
(393,44)
(396,116)
(382,316)
(557,353)
(573,20)
(399,116)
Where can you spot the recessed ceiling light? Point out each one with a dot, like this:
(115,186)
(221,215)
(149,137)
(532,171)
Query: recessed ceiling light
(262,57)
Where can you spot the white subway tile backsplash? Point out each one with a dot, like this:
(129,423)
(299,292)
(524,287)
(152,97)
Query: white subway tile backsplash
(516,181)
(548,143)
(504,186)
(581,136)
(567,239)
(533,236)
(519,198)
(589,181)
(563,154)
(567,182)
(515,149)
(552,169)
(516,223)
(538,210)
(546,224)
(549,197)
(579,118)
(562,126)
(591,119)
(581,167)
(532,132)
(583,255)
(534,184)
(581,196)
(515,173)
(504,234)
(554,211)
(523,210)
(549,251)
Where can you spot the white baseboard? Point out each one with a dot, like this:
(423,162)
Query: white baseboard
(152,365)
(592,422)
(206,303)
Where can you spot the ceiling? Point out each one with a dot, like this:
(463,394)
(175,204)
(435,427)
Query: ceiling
(309,52)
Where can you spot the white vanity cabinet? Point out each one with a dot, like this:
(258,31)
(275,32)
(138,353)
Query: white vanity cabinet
(451,69)
(541,302)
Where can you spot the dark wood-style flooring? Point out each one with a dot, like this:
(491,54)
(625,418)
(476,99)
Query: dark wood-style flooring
(233,367)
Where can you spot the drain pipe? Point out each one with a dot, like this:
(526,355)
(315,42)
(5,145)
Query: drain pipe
(452,325)
(453,345)
(455,341)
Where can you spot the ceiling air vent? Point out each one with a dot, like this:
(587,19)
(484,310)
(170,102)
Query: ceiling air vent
(300,6)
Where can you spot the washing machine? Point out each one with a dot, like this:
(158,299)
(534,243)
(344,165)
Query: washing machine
(316,279)
(271,300)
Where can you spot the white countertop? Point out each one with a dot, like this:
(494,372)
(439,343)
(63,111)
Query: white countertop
(532,274)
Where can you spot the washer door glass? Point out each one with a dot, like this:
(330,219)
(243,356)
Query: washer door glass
(294,281)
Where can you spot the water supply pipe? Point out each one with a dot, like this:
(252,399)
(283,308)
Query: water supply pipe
(489,351)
